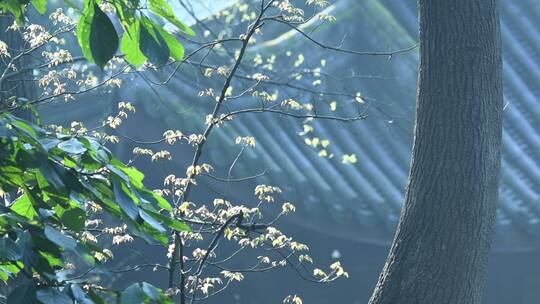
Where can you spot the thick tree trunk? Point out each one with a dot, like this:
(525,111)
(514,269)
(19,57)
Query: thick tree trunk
(440,251)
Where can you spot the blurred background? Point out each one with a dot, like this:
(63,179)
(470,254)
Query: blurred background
(344,211)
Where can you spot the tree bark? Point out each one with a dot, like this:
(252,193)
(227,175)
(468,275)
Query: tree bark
(441,247)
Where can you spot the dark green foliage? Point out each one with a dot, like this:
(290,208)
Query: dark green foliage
(143,293)
(96,35)
(48,179)
(143,39)
(57,175)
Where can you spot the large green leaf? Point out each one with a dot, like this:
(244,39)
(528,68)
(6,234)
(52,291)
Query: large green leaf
(9,250)
(9,270)
(84,27)
(25,294)
(163,9)
(151,291)
(11,175)
(151,221)
(23,206)
(126,203)
(155,294)
(51,259)
(53,296)
(40,6)
(29,257)
(152,44)
(73,218)
(170,222)
(103,38)
(51,175)
(62,240)
(95,297)
(96,35)
(72,146)
(83,252)
(79,295)
(133,294)
(17,8)
(134,176)
(130,45)
(152,196)
(176,48)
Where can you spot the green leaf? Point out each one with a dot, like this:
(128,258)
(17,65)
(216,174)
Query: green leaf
(125,10)
(163,9)
(40,6)
(60,239)
(103,38)
(9,270)
(125,202)
(52,176)
(17,8)
(54,195)
(49,143)
(4,276)
(130,45)
(133,294)
(96,298)
(32,131)
(25,243)
(51,259)
(102,195)
(53,296)
(84,254)
(72,146)
(96,35)
(135,176)
(152,43)
(11,175)
(23,207)
(84,27)
(176,48)
(151,291)
(172,223)
(89,163)
(151,221)
(96,151)
(70,162)
(161,202)
(25,294)
(72,218)
(79,295)
(9,250)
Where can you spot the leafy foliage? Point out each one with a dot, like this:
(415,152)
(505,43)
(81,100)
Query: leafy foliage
(96,35)
(71,178)
(18,7)
(143,38)
(59,178)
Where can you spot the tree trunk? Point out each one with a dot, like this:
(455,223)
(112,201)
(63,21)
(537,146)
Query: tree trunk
(441,247)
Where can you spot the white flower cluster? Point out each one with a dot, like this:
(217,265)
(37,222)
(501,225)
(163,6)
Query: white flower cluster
(265,192)
(246,140)
(4,49)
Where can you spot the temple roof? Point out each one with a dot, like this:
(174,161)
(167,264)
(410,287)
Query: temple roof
(363,200)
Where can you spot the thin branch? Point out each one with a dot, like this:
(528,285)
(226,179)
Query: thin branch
(233,180)
(339,48)
(251,30)
(315,116)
